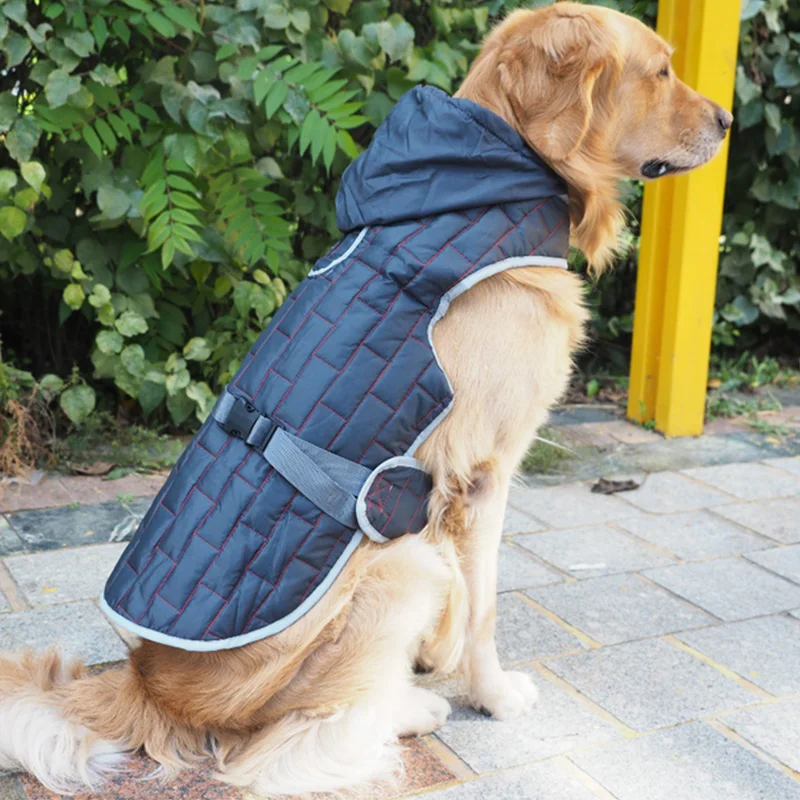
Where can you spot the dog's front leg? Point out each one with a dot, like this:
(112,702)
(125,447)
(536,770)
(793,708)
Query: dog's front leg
(502,694)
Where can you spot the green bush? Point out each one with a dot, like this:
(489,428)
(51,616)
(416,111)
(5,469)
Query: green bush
(168,173)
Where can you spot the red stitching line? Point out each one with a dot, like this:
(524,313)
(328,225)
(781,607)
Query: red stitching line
(185,546)
(325,338)
(313,585)
(396,504)
(405,397)
(285,566)
(172,521)
(228,535)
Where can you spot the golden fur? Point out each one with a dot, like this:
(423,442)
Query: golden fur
(319,706)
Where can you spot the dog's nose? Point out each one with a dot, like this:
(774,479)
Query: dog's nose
(724,120)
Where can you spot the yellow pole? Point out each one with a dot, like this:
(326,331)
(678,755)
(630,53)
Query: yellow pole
(681,223)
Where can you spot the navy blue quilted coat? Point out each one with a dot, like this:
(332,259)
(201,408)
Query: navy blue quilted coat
(311,447)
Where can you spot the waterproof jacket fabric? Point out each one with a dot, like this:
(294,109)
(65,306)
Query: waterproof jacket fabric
(231,551)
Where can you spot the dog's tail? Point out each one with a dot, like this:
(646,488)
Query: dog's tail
(71,729)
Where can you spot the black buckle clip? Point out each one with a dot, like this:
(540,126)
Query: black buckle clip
(240,419)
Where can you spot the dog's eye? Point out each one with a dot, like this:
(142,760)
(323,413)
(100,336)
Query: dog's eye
(664,73)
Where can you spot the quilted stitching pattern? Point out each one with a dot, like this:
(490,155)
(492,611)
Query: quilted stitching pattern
(228,546)
(396,501)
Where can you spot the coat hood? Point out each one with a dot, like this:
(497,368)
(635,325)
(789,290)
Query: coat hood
(435,154)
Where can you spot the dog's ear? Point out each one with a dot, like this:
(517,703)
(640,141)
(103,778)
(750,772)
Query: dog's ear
(549,72)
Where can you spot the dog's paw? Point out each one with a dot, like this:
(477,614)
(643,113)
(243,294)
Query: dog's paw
(422,712)
(506,697)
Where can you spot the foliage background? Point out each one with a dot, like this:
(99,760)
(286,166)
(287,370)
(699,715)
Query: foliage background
(168,173)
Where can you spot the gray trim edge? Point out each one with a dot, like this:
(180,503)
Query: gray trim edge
(199,646)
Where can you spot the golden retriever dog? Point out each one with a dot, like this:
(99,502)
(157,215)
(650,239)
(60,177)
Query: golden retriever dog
(320,706)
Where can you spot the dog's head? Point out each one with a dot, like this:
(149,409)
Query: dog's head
(593,92)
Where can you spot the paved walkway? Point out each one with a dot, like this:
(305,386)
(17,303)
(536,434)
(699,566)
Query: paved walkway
(662,626)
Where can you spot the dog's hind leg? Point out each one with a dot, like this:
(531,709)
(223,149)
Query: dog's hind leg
(336,724)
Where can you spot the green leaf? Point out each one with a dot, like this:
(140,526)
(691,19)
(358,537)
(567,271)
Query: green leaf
(130,324)
(22,138)
(750,8)
(8,111)
(100,295)
(54,10)
(12,222)
(787,73)
(275,98)
(180,380)
(16,11)
(60,85)
(167,252)
(50,386)
(329,150)
(74,296)
(99,31)
(307,130)
(197,349)
(113,203)
(15,48)
(773,116)
(182,17)
(105,75)
(319,138)
(33,174)
(276,17)
(77,403)
(80,42)
(134,360)
(176,182)
(8,180)
(106,134)
(180,407)
(338,6)
(346,144)
(109,342)
(201,393)
(91,138)
(161,24)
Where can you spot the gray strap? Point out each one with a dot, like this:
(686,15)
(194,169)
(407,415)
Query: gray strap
(327,480)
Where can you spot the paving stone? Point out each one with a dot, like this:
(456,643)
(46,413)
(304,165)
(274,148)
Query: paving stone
(665,492)
(543,781)
(693,535)
(516,521)
(774,728)
(593,551)
(9,541)
(80,629)
(766,651)
(51,528)
(729,588)
(790,464)
(4,606)
(523,634)
(747,481)
(795,614)
(556,724)
(570,506)
(44,494)
(619,608)
(60,576)
(693,762)
(778,519)
(650,684)
(517,570)
(784,561)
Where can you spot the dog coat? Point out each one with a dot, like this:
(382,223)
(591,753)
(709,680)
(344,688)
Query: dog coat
(310,447)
